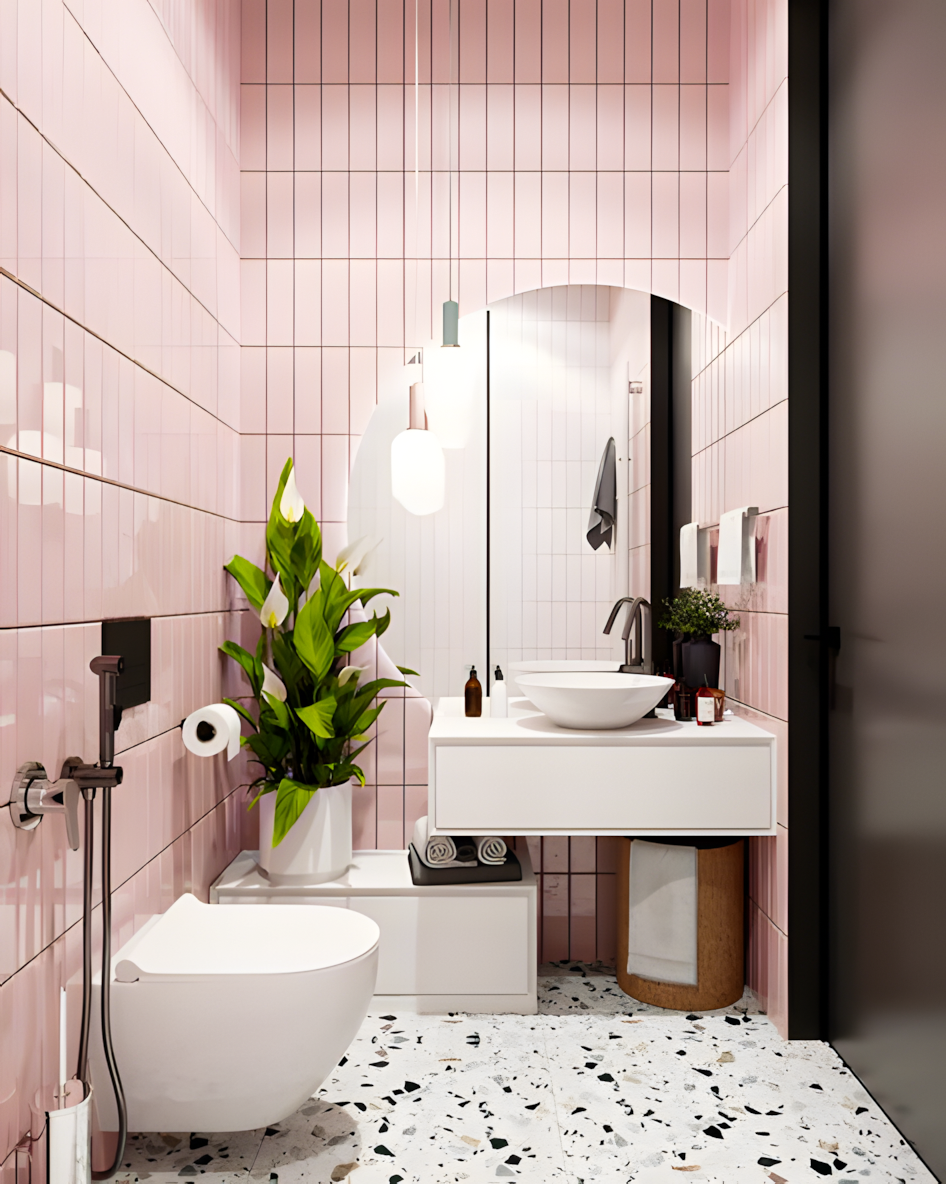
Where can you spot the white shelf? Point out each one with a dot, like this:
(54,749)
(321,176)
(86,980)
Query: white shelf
(524,775)
(487,965)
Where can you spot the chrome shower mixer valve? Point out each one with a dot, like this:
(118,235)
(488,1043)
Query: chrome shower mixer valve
(33,795)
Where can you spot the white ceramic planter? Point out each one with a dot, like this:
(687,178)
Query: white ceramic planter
(317,848)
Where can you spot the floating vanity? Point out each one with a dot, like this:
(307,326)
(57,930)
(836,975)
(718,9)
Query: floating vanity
(524,775)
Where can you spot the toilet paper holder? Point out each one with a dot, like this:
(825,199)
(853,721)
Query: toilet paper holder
(212,729)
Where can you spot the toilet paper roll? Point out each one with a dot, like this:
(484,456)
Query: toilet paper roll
(212,729)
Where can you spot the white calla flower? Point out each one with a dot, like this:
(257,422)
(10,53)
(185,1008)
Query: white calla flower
(275,606)
(351,551)
(361,563)
(349,672)
(291,505)
(273,684)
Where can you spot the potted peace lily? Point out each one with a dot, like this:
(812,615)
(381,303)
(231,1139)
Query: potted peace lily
(694,616)
(313,711)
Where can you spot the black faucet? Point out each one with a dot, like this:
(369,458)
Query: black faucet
(640,662)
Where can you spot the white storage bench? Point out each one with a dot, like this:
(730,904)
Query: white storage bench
(456,947)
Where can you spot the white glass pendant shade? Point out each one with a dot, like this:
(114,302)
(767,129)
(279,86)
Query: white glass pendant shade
(417,471)
(448,393)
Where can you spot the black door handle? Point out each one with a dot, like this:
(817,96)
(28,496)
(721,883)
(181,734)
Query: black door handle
(832,639)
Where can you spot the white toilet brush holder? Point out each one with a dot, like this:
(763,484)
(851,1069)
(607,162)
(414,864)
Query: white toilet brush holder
(318,846)
(68,1134)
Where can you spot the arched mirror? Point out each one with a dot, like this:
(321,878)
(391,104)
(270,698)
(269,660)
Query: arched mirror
(504,572)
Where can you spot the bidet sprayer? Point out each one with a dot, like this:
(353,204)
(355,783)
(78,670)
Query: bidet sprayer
(108,667)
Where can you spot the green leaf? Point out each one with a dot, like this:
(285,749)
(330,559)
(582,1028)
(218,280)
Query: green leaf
(354,636)
(279,709)
(279,534)
(271,749)
(251,665)
(313,640)
(255,583)
(407,670)
(381,625)
(367,719)
(318,717)
(240,710)
(293,671)
(306,553)
(292,797)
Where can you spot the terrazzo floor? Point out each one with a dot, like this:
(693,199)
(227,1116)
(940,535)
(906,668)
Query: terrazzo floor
(594,1088)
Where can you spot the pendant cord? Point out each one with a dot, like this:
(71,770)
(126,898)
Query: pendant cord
(450,163)
(416,160)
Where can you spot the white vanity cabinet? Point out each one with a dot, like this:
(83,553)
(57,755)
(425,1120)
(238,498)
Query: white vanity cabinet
(524,775)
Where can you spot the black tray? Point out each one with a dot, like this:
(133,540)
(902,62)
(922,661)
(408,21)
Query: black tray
(430,877)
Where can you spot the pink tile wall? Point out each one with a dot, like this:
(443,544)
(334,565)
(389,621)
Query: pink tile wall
(592,147)
(597,144)
(119,460)
(740,439)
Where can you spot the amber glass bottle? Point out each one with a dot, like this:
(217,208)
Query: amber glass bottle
(473,695)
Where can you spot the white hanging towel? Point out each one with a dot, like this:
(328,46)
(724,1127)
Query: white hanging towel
(735,558)
(661,940)
(690,555)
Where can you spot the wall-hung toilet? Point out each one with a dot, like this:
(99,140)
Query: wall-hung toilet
(228,1019)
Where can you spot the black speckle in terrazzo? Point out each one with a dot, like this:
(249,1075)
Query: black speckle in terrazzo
(596,1088)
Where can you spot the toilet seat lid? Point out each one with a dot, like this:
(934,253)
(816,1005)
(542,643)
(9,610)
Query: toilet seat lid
(193,939)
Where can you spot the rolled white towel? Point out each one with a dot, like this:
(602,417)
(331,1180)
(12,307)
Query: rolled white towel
(435,850)
(490,849)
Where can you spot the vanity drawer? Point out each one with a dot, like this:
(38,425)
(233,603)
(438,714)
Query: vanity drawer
(620,789)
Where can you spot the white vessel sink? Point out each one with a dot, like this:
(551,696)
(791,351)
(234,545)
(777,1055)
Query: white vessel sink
(594,699)
(556,666)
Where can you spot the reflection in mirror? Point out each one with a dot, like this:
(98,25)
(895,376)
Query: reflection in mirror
(561,360)
(560,364)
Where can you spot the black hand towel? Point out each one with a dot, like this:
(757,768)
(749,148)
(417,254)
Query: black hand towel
(466,849)
(604,505)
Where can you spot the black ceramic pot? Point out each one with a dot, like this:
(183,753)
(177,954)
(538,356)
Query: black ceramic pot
(678,656)
(701,663)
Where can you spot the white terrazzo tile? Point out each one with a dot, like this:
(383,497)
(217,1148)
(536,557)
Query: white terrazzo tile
(215,1157)
(596,1088)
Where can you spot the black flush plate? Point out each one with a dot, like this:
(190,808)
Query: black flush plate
(132,640)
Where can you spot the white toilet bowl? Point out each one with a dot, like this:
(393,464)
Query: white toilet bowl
(227,1019)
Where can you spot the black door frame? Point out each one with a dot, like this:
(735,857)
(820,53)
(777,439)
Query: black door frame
(808,633)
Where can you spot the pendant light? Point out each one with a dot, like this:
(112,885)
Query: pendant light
(418,477)
(447,371)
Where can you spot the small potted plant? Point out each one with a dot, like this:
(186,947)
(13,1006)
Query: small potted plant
(313,711)
(697,614)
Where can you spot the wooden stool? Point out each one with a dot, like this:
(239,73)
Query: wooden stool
(719,949)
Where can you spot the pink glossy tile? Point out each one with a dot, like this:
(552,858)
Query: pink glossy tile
(279,127)
(279,390)
(528,127)
(390,817)
(364,817)
(583,937)
(417,717)
(253,127)
(279,215)
(415,806)
(390,744)
(555,936)
(606,919)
